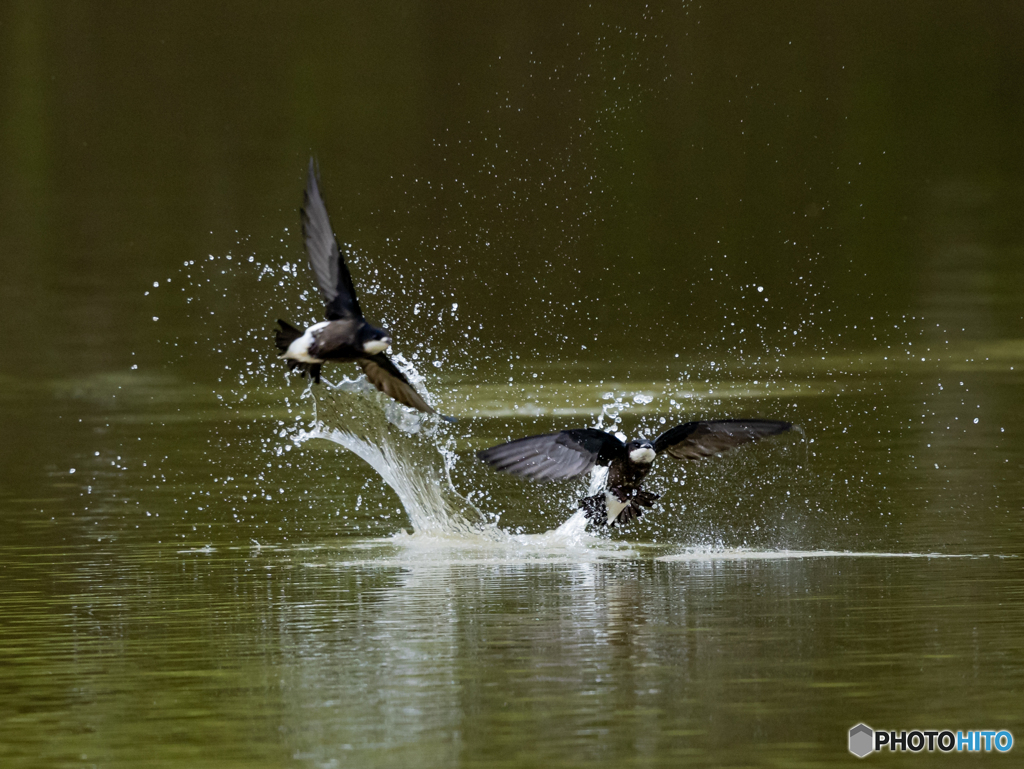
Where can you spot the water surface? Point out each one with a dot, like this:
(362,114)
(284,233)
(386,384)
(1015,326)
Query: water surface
(620,217)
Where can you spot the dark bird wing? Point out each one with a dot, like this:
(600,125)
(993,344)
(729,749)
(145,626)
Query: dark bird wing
(386,377)
(696,440)
(555,455)
(325,258)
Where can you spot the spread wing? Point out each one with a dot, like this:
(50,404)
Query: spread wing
(696,440)
(386,377)
(325,258)
(555,455)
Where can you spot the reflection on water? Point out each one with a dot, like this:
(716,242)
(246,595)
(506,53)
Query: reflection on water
(183,644)
(381,653)
(570,214)
(182,612)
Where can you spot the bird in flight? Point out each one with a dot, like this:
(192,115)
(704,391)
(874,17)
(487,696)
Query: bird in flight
(345,335)
(569,453)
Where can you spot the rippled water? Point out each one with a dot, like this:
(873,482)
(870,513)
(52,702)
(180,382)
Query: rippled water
(422,653)
(612,216)
(453,634)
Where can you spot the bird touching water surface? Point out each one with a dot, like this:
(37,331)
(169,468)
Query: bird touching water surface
(570,453)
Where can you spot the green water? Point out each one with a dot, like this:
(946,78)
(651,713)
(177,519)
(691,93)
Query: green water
(566,215)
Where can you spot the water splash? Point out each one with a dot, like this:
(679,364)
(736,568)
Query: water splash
(406,449)
(402,446)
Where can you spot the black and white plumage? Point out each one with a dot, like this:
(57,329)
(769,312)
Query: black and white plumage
(345,335)
(569,453)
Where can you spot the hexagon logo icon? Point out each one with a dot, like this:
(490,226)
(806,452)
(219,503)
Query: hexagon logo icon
(862,738)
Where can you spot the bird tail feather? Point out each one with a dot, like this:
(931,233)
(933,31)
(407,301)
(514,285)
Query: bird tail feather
(283,337)
(594,509)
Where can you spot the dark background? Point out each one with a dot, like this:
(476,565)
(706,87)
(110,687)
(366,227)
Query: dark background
(604,176)
(795,210)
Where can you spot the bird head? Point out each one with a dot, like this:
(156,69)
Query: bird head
(374,340)
(641,451)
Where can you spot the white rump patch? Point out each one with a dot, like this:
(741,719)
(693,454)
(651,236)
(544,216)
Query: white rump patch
(299,348)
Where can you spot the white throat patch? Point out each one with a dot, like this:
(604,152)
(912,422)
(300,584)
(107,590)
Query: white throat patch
(376,346)
(642,456)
